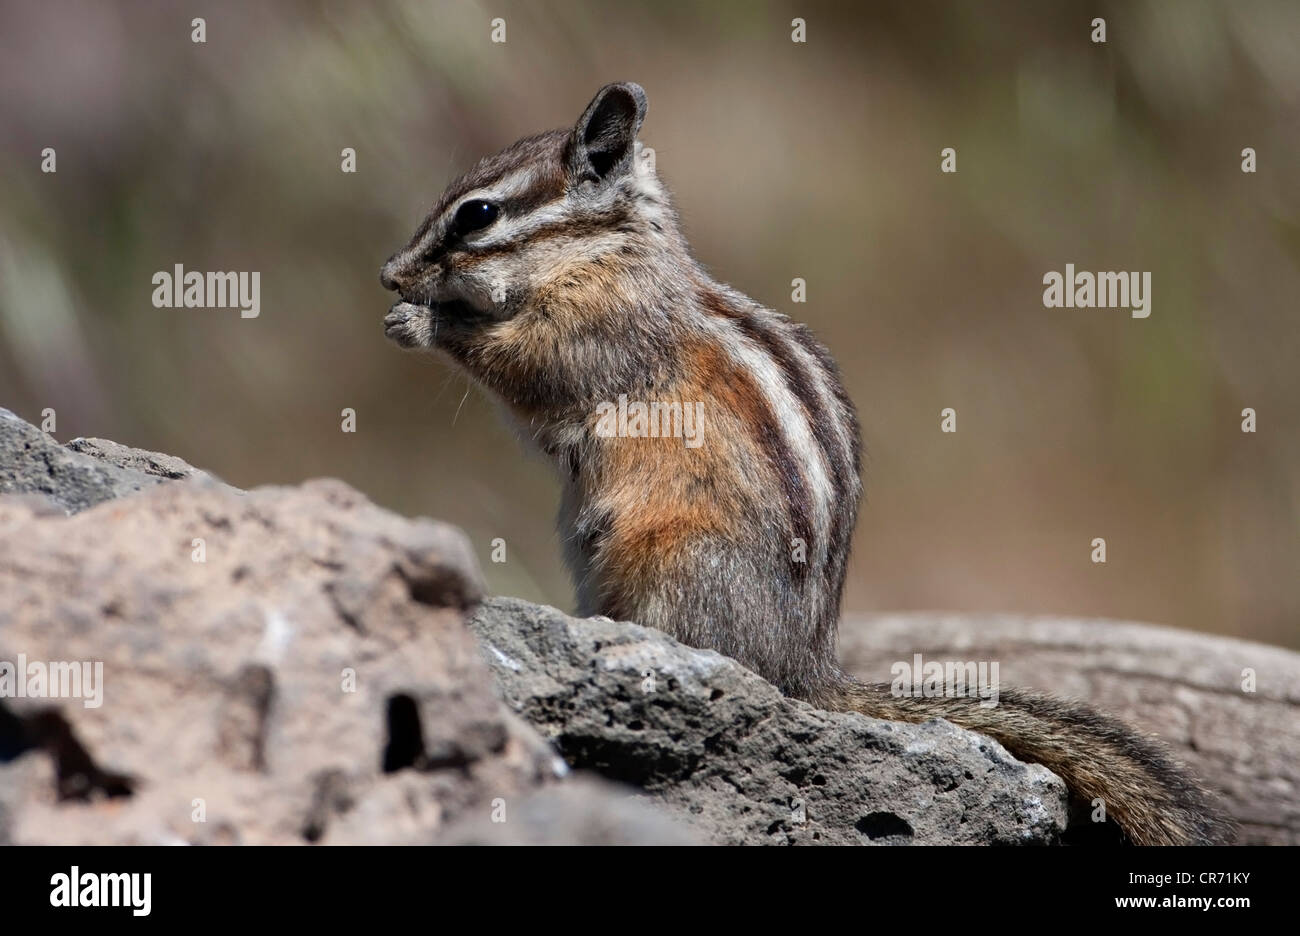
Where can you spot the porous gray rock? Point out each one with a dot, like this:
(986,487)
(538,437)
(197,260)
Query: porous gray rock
(725,751)
(154,464)
(81,474)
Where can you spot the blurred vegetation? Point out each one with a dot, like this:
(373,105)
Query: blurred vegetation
(817,160)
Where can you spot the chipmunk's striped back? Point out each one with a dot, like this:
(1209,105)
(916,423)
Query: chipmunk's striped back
(751,527)
(556,275)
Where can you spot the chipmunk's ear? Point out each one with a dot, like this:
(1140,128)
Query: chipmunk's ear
(604,137)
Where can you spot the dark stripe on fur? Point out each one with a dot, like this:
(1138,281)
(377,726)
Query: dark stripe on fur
(846,516)
(819,421)
(578,228)
(742,391)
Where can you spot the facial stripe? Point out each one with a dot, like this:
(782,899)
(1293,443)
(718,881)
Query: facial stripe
(547,224)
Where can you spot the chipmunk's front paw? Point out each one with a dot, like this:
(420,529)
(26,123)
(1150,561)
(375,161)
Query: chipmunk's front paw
(410,326)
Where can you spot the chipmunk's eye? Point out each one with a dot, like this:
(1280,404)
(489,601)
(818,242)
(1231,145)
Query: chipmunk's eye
(474,216)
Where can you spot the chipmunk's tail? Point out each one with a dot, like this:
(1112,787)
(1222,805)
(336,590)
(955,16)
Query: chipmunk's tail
(1153,799)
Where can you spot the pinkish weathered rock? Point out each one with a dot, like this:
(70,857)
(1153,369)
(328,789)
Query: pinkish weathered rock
(285,665)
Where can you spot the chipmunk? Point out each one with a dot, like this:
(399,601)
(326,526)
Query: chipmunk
(555,274)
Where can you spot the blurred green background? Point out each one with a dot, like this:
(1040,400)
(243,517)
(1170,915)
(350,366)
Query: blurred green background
(817,160)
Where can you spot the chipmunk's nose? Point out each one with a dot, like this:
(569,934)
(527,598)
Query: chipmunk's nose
(400,272)
(391,275)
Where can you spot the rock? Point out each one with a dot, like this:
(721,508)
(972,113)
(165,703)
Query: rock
(1185,687)
(224,693)
(229,624)
(224,681)
(154,464)
(726,752)
(83,473)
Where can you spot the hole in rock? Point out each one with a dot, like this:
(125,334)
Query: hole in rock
(880,825)
(405,747)
(77,776)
